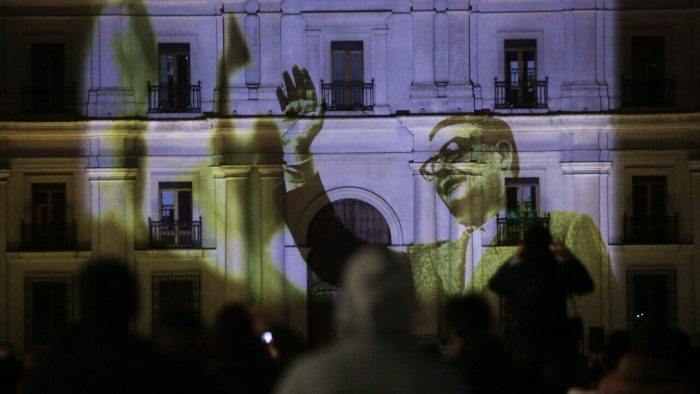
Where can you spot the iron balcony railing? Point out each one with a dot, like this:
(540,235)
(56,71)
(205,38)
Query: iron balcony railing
(174,98)
(651,230)
(48,99)
(48,236)
(523,94)
(511,231)
(347,95)
(660,92)
(175,234)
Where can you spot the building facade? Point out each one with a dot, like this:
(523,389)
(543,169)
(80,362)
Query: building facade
(155,131)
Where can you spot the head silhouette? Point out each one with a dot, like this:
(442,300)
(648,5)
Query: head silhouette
(108,294)
(378,296)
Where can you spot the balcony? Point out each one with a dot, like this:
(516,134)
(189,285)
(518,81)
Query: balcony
(347,96)
(48,99)
(511,231)
(48,236)
(649,92)
(175,234)
(521,94)
(650,230)
(172,98)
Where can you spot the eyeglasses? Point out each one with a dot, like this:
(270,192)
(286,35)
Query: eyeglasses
(456,150)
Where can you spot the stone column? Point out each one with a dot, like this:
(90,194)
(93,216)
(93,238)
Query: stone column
(274,283)
(425,233)
(4,285)
(231,184)
(695,267)
(586,190)
(379,71)
(112,209)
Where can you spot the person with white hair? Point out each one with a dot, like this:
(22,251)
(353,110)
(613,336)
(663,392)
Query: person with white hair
(374,353)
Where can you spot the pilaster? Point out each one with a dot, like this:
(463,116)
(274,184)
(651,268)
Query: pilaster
(4,269)
(232,249)
(112,208)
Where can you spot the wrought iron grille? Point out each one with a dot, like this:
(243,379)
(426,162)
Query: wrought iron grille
(650,230)
(48,308)
(523,94)
(511,231)
(659,92)
(48,236)
(173,98)
(48,99)
(175,296)
(175,234)
(651,299)
(347,95)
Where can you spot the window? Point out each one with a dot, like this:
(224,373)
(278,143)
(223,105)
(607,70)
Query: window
(48,229)
(174,92)
(48,308)
(649,222)
(648,85)
(522,211)
(47,91)
(648,58)
(347,90)
(175,201)
(362,220)
(176,229)
(175,296)
(521,71)
(651,299)
(521,197)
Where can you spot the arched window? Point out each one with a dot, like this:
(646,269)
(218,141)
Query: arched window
(365,222)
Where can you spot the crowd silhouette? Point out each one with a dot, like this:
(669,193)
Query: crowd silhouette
(535,349)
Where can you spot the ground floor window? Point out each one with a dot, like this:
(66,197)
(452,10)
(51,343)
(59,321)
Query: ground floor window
(48,308)
(651,299)
(175,296)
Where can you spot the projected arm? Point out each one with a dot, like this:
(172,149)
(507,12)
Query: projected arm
(333,243)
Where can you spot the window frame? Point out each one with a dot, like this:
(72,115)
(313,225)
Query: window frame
(30,280)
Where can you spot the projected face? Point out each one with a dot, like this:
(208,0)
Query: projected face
(467,170)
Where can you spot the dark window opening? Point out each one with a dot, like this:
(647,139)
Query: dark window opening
(48,308)
(49,228)
(520,88)
(648,85)
(175,297)
(651,299)
(650,222)
(47,91)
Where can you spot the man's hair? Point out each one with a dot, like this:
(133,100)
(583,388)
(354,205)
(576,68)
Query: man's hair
(492,131)
(107,293)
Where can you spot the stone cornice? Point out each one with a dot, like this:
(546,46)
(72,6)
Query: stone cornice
(586,167)
(111,174)
(231,171)
(270,170)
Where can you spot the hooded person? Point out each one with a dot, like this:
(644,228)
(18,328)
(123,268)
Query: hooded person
(374,354)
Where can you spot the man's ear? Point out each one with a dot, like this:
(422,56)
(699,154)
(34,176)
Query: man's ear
(505,154)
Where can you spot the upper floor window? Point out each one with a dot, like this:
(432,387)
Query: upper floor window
(649,222)
(520,87)
(48,91)
(348,89)
(48,308)
(521,197)
(174,92)
(648,84)
(176,229)
(48,229)
(522,211)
